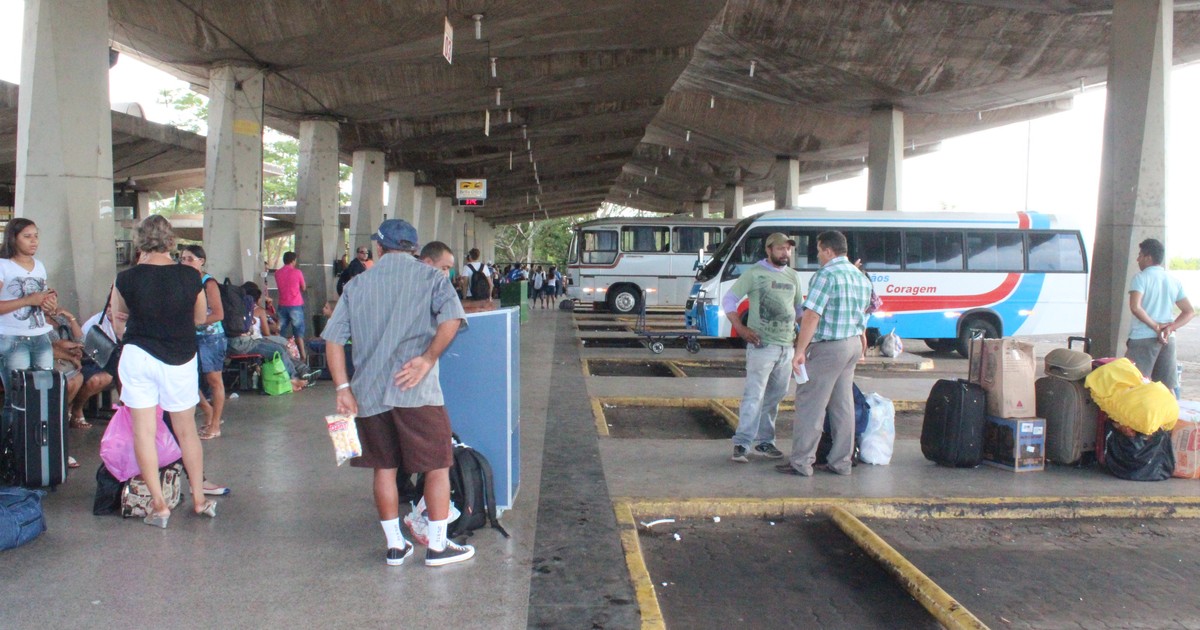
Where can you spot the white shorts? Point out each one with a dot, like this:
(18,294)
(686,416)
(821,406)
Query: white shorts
(146,381)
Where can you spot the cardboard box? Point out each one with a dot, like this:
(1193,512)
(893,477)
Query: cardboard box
(1007,374)
(1016,444)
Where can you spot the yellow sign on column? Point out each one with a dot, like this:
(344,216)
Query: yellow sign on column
(470,189)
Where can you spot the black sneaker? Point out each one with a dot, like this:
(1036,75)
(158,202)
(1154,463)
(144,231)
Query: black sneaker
(768,450)
(452,553)
(739,455)
(395,557)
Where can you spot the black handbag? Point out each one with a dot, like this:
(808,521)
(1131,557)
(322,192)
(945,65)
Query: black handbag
(97,345)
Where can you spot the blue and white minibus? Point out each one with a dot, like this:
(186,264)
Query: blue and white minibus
(942,276)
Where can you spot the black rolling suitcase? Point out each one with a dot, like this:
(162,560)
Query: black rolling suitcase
(952,434)
(37,414)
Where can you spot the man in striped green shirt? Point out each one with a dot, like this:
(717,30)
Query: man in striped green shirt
(828,347)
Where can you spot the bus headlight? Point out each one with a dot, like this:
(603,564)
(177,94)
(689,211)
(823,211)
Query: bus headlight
(952,314)
(1025,312)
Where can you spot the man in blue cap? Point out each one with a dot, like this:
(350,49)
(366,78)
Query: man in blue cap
(402,316)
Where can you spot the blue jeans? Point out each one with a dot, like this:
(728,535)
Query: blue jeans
(19,352)
(291,321)
(768,372)
(211,352)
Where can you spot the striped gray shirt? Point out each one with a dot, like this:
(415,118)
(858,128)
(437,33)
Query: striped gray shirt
(392,312)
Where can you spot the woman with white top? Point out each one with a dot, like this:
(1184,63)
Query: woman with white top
(24,332)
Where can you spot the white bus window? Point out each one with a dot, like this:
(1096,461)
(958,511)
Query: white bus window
(691,239)
(937,251)
(995,251)
(599,247)
(1055,252)
(646,239)
(878,249)
(804,254)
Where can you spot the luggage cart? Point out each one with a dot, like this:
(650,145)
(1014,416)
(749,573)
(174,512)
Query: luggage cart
(654,338)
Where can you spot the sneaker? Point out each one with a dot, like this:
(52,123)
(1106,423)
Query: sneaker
(395,557)
(739,455)
(768,450)
(452,553)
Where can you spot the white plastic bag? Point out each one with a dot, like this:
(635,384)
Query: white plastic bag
(879,437)
(890,345)
(417,521)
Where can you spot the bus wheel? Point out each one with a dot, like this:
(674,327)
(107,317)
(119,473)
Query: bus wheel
(969,329)
(624,300)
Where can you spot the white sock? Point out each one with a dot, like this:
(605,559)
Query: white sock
(437,534)
(395,538)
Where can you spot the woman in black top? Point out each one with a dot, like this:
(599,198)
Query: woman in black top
(158,305)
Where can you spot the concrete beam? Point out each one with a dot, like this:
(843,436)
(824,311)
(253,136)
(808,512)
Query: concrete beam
(64,147)
(885,156)
(317,210)
(366,196)
(233,173)
(1132,201)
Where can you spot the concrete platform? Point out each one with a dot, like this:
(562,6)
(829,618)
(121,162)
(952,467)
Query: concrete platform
(298,541)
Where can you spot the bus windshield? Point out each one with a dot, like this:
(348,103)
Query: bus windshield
(713,267)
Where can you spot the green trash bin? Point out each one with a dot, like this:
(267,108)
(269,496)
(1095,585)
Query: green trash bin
(516,294)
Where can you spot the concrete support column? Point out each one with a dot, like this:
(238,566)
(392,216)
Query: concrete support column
(402,198)
(1132,200)
(460,229)
(734,195)
(885,155)
(443,222)
(64,147)
(425,198)
(366,197)
(787,182)
(700,210)
(317,210)
(233,173)
(143,206)
(469,236)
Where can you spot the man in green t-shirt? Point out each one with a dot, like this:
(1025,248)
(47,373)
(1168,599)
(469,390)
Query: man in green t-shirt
(775,295)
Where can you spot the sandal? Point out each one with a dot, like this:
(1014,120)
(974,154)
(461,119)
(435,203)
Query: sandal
(79,423)
(205,435)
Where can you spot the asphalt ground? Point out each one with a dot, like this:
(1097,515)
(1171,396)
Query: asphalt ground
(1049,574)
(782,572)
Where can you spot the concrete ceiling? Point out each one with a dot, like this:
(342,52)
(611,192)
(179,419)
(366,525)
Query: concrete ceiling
(647,103)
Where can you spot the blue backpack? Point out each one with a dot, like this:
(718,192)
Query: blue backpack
(21,518)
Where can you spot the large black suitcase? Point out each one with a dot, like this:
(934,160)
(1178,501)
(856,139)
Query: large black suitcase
(1070,417)
(952,434)
(37,414)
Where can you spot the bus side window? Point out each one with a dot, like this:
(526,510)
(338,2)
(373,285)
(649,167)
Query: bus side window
(937,251)
(691,239)
(1054,252)
(995,251)
(599,247)
(804,255)
(878,249)
(646,239)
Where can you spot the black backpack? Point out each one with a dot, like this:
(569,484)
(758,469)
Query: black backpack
(471,491)
(233,302)
(479,282)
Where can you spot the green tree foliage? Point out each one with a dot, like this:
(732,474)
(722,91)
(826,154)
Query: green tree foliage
(1184,264)
(547,241)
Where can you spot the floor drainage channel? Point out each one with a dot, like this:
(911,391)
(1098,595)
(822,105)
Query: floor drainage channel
(640,342)
(662,418)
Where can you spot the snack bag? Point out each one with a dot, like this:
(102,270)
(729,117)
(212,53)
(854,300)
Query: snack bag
(344,433)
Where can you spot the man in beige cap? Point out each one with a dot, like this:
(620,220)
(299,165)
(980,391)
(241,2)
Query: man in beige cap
(774,292)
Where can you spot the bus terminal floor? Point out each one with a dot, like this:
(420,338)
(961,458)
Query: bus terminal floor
(297,541)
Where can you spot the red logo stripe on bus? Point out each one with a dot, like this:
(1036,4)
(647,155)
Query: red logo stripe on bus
(908,303)
(1023,220)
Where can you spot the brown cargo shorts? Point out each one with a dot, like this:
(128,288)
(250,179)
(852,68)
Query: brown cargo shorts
(415,439)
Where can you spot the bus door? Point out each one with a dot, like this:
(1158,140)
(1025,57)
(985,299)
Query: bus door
(645,256)
(690,244)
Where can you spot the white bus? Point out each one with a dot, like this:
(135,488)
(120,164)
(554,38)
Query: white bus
(942,276)
(612,261)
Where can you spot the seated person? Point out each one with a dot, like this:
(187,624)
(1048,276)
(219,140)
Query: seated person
(255,341)
(316,346)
